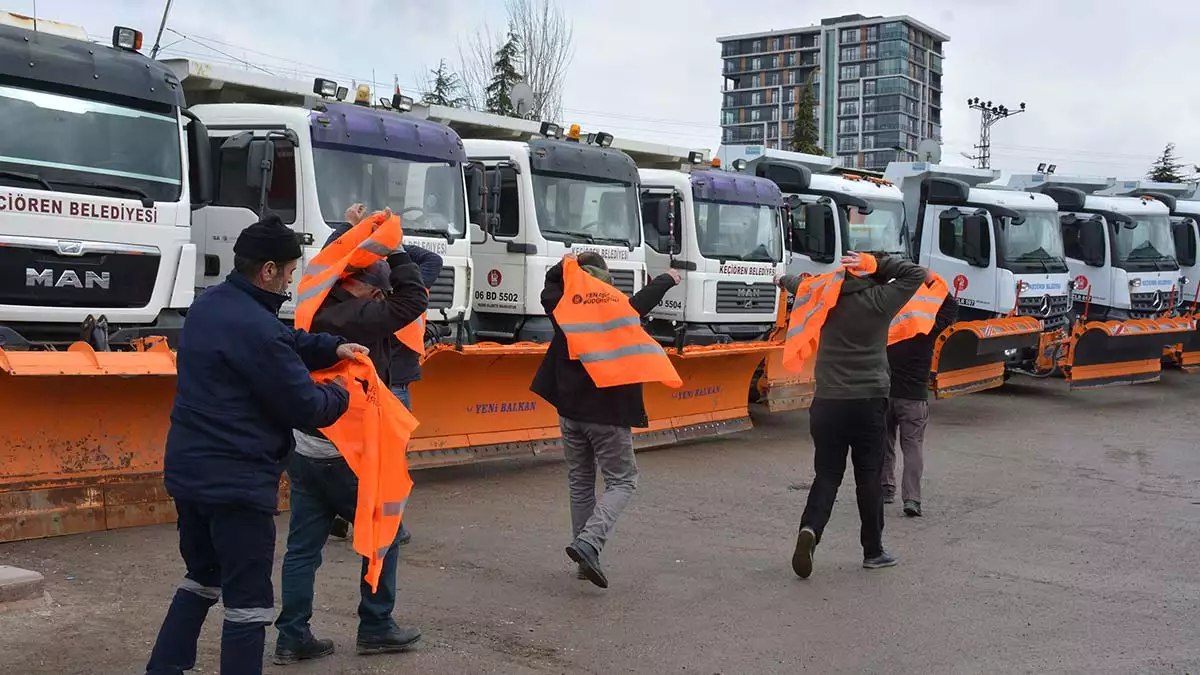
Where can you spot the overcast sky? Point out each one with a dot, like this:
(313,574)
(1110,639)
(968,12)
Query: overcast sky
(1107,83)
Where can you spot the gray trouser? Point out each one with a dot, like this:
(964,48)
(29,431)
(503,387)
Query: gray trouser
(587,446)
(906,418)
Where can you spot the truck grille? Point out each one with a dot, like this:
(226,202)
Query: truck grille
(1051,309)
(1150,304)
(441,294)
(38,277)
(623,280)
(738,298)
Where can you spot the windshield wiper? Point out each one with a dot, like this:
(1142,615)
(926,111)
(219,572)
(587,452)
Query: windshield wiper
(147,202)
(615,240)
(583,236)
(431,230)
(26,176)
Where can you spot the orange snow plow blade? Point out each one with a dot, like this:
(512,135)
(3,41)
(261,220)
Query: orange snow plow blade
(969,356)
(83,439)
(1185,355)
(775,386)
(475,403)
(1109,353)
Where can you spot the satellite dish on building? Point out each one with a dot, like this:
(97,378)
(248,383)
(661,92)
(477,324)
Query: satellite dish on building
(521,97)
(930,151)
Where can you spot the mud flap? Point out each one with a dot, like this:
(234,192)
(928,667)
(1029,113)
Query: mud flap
(84,433)
(1109,353)
(969,356)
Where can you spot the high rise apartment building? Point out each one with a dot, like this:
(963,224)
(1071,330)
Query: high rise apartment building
(878,87)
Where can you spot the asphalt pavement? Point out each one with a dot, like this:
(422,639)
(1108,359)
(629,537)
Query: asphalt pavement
(1061,534)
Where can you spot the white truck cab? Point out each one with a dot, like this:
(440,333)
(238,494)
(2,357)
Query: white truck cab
(1184,212)
(1000,250)
(723,231)
(1120,249)
(295,149)
(95,192)
(548,197)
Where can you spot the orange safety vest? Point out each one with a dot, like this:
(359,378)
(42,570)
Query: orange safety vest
(355,250)
(413,335)
(918,316)
(815,296)
(605,333)
(372,436)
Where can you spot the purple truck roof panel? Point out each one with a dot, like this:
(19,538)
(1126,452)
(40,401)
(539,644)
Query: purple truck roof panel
(736,188)
(383,132)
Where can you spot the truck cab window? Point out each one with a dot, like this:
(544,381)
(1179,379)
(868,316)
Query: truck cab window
(233,184)
(510,208)
(950,237)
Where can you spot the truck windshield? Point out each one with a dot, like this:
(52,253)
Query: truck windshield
(428,196)
(738,231)
(70,144)
(1148,239)
(1038,239)
(881,230)
(585,209)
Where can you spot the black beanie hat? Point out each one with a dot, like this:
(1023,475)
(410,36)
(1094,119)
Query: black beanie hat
(268,239)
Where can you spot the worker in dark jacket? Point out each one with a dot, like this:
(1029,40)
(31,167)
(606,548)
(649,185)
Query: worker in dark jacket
(849,407)
(596,423)
(243,386)
(406,364)
(368,308)
(908,409)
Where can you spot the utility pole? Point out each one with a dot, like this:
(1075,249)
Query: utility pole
(989,115)
(161,27)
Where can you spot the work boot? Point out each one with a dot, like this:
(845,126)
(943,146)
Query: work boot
(580,574)
(403,536)
(802,557)
(395,640)
(340,528)
(884,559)
(588,560)
(912,508)
(310,649)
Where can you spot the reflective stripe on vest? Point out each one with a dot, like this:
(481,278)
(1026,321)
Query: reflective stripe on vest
(373,436)
(354,251)
(814,298)
(920,313)
(605,334)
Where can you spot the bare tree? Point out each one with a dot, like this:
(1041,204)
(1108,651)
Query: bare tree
(547,48)
(546,39)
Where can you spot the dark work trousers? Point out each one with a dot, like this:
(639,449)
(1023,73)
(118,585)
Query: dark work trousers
(228,552)
(860,426)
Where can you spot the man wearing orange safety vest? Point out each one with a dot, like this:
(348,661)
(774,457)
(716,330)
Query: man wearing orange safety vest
(370,304)
(406,363)
(908,403)
(596,421)
(850,405)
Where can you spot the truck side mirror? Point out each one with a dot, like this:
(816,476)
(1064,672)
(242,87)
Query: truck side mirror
(977,244)
(260,163)
(821,232)
(476,192)
(1185,242)
(1091,241)
(200,162)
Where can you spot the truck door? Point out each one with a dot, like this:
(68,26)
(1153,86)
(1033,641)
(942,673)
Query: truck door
(499,280)
(814,238)
(237,200)
(663,220)
(1184,232)
(963,253)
